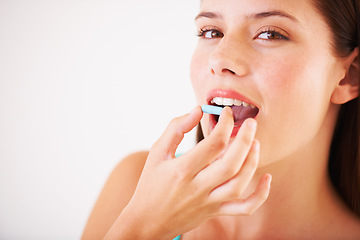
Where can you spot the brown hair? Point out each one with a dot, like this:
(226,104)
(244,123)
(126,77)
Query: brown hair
(343,18)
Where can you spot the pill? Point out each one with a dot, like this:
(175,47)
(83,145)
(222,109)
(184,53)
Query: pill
(215,110)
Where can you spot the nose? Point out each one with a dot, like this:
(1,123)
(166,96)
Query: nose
(229,57)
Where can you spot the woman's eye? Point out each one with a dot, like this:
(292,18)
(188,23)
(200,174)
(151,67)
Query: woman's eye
(210,34)
(271,35)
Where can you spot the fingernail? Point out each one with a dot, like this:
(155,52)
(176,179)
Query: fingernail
(250,122)
(228,109)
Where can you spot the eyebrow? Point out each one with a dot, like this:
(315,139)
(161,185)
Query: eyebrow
(208,15)
(274,13)
(260,15)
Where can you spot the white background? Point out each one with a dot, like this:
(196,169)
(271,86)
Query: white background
(83,84)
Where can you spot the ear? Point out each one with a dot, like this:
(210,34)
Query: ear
(348,88)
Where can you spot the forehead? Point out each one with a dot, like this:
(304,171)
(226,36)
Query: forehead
(237,12)
(257,3)
(304,10)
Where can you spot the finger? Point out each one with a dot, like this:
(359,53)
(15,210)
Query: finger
(229,165)
(168,142)
(210,148)
(234,188)
(249,205)
(242,143)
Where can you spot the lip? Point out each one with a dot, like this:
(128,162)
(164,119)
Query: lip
(227,93)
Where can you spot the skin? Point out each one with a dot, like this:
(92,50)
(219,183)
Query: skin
(220,189)
(293,78)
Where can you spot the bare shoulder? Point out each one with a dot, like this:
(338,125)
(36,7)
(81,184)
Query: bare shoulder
(115,195)
(131,166)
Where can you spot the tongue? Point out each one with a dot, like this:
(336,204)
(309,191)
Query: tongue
(241,113)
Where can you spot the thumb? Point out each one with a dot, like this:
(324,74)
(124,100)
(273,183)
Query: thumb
(165,147)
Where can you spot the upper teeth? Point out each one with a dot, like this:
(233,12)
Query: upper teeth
(230,102)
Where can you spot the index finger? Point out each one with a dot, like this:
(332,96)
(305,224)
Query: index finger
(168,142)
(211,147)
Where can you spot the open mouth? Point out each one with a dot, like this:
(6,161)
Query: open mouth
(241,110)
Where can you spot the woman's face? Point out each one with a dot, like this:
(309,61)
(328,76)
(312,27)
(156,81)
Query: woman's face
(275,55)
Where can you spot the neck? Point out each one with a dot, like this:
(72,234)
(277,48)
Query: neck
(300,194)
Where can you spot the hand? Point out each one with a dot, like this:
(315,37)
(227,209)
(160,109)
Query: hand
(175,195)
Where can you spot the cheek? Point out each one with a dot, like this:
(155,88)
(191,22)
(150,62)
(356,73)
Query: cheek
(296,102)
(281,75)
(292,83)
